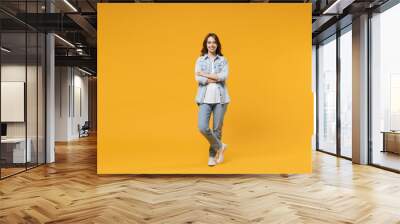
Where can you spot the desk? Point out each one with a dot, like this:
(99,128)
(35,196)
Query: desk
(391,141)
(13,150)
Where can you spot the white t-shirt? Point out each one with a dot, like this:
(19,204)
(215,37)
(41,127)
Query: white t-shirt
(212,90)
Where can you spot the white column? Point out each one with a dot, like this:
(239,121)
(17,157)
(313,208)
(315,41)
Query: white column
(50,92)
(50,100)
(360,90)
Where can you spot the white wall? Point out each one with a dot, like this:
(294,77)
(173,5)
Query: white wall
(314,88)
(16,72)
(71,93)
(62,82)
(81,84)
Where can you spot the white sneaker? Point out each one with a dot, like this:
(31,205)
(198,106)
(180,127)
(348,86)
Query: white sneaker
(211,161)
(220,155)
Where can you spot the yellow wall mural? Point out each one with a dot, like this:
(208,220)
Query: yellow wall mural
(147,114)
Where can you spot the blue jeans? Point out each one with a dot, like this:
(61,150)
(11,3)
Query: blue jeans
(213,136)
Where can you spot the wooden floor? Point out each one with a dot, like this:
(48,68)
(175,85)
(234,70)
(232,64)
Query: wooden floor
(69,191)
(5,172)
(387,159)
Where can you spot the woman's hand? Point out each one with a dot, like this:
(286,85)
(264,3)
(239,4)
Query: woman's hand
(211,80)
(209,76)
(201,73)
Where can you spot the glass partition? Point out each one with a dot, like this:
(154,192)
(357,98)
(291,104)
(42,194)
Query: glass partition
(32,95)
(22,77)
(41,107)
(14,153)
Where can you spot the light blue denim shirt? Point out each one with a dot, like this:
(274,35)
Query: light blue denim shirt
(203,63)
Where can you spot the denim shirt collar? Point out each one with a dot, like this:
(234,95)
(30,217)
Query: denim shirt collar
(216,56)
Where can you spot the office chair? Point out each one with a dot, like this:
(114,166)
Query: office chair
(84,130)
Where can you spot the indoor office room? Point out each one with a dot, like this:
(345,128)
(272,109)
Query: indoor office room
(25,64)
(209,111)
(333,57)
(22,101)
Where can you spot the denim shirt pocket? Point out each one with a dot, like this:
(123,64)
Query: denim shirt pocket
(218,67)
(204,66)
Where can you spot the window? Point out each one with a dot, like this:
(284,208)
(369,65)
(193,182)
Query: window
(385,88)
(346,93)
(327,95)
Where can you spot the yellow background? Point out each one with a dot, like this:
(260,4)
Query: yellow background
(147,113)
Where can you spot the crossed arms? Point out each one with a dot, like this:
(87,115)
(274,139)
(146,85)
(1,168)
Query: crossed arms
(205,78)
(209,78)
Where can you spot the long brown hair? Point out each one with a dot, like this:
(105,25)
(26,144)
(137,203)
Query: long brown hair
(219,47)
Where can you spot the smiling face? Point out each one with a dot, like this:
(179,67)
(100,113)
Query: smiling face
(211,44)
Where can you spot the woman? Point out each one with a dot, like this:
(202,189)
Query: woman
(211,72)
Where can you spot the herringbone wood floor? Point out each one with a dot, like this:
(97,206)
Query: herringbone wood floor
(69,191)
